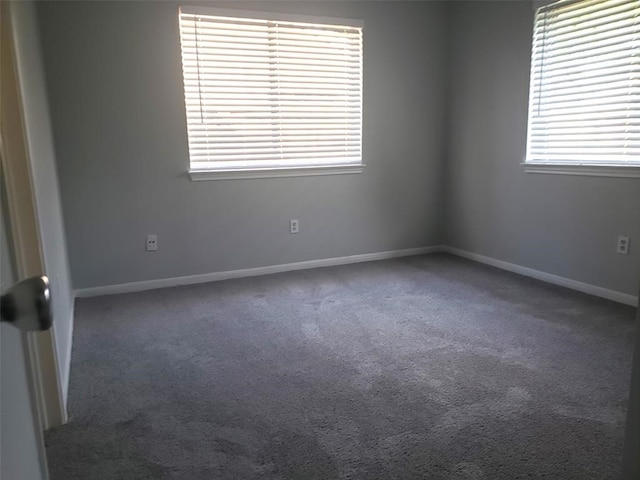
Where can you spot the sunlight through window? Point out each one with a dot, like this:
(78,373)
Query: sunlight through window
(271,94)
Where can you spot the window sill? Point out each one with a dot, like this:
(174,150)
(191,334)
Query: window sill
(584,170)
(198,175)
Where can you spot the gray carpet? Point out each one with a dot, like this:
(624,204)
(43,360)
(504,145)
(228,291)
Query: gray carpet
(427,367)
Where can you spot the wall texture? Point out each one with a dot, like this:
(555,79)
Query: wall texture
(564,225)
(114,76)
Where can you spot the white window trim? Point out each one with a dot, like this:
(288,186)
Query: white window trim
(536,4)
(283,17)
(576,169)
(277,172)
(617,171)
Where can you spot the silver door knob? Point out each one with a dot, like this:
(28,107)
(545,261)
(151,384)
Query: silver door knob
(27,304)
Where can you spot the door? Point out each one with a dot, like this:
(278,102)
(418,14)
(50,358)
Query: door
(22,454)
(22,158)
(30,398)
(631,464)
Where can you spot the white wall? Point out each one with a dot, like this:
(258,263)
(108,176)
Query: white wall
(45,179)
(564,225)
(114,78)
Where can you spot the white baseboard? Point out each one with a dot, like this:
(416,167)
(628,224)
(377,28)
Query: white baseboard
(546,277)
(249,272)
(367,257)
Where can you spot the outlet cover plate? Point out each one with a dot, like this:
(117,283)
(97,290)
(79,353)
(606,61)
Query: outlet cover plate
(623,244)
(152,243)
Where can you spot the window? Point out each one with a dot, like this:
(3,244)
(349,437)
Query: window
(584,109)
(271,96)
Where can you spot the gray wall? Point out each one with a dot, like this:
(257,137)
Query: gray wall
(114,76)
(40,146)
(446,89)
(564,225)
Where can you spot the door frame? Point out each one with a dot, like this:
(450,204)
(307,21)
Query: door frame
(40,347)
(631,456)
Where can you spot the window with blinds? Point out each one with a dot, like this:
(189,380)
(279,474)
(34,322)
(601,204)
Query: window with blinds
(265,94)
(585,84)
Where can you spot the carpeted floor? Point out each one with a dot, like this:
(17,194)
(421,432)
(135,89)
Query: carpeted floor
(427,367)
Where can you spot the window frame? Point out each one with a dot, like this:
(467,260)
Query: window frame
(566,168)
(284,171)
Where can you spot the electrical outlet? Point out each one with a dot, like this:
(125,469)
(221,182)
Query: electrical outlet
(623,244)
(152,243)
(294,226)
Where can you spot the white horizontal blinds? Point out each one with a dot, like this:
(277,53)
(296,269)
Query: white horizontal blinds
(271,94)
(585,83)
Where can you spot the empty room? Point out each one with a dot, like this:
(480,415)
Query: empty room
(323,240)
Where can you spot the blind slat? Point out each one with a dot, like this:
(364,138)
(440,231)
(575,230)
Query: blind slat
(243,156)
(231,165)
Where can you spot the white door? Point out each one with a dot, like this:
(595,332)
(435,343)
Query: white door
(22,455)
(28,379)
